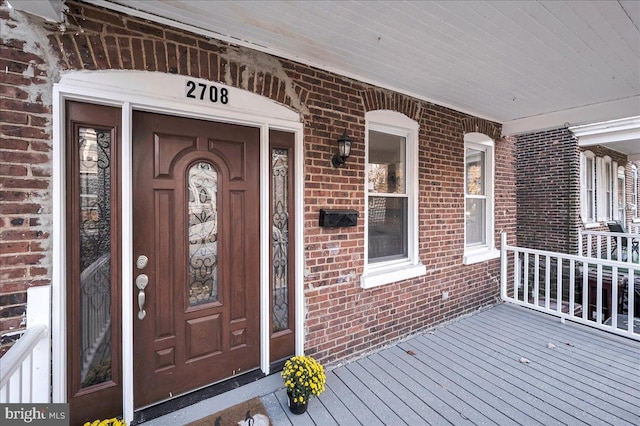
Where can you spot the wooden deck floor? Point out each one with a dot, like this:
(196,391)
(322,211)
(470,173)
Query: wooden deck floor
(470,372)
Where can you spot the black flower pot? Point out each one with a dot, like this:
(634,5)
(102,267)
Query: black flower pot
(297,407)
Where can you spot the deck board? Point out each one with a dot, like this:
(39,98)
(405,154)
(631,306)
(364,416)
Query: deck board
(525,395)
(519,403)
(335,406)
(468,372)
(429,393)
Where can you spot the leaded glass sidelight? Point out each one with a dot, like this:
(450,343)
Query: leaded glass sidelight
(280,242)
(94,149)
(203,233)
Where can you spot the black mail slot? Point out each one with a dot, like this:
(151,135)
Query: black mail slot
(338,218)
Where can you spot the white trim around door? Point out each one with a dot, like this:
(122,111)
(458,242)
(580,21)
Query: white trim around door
(166,94)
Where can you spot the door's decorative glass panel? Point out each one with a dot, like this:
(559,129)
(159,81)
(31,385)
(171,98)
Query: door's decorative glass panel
(203,234)
(95,255)
(280,217)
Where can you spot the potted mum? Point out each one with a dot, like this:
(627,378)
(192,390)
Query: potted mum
(106,422)
(303,377)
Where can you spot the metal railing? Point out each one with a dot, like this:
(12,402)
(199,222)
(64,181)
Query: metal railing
(25,370)
(597,292)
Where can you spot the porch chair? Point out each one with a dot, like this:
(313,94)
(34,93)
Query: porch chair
(618,227)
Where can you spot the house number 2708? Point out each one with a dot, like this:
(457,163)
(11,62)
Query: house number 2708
(207,92)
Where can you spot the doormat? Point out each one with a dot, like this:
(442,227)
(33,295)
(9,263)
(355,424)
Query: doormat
(249,413)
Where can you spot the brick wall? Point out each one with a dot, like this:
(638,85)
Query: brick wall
(548,189)
(342,320)
(25,175)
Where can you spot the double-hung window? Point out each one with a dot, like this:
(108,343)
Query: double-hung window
(478,196)
(602,186)
(391,218)
(621,198)
(634,191)
(605,188)
(588,186)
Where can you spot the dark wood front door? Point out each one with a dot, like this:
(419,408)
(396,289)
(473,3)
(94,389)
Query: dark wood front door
(196,220)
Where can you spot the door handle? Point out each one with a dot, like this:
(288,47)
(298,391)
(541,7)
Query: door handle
(141,282)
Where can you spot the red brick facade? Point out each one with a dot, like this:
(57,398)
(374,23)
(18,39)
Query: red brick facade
(342,320)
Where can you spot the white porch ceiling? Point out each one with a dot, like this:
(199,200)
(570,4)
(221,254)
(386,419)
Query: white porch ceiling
(530,65)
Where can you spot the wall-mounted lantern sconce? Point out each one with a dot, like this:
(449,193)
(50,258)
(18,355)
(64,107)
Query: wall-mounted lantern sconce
(344,150)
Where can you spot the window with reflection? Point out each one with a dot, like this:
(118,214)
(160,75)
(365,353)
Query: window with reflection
(475,197)
(387,197)
(479,166)
(391,199)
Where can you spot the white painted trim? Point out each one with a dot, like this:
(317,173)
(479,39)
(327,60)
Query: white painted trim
(596,113)
(471,257)
(390,275)
(127,261)
(376,274)
(610,131)
(299,241)
(51,10)
(59,260)
(39,313)
(487,251)
(162,93)
(265,332)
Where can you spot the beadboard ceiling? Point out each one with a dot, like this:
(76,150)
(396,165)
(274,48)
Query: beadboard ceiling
(529,65)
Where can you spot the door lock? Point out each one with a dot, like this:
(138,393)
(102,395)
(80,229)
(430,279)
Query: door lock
(142,261)
(141,282)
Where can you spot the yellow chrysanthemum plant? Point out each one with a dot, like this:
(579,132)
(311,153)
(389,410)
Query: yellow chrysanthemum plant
(303,377)
(106,422)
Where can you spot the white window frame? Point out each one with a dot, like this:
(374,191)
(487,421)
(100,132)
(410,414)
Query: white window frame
(481,252)
(605,185)
(380,273)
(587,199)
(620,183)
(634,191)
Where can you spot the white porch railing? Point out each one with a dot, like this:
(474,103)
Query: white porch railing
(609,245)
(597,292)
(25,370)
(634,228)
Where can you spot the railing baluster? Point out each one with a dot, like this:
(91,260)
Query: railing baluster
(547,282)
(572,286)
(516,272)
(631,295)
(599,295)
(585,290)
(559,295)
(525,289)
